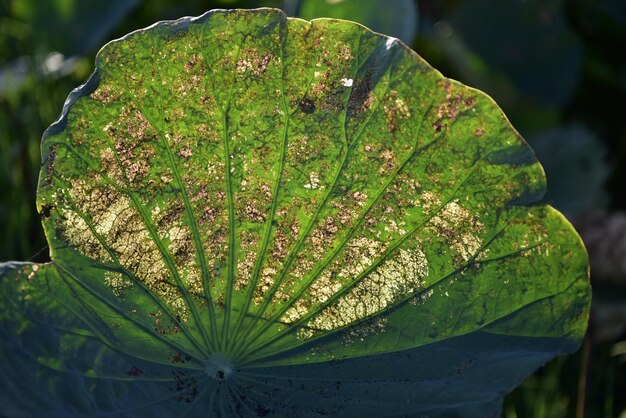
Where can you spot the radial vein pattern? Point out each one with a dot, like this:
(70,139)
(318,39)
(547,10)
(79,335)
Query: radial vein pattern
(240,202)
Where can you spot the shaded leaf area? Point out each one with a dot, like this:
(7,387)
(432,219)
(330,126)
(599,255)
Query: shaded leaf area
(70,344)
(250,200)
(60,354)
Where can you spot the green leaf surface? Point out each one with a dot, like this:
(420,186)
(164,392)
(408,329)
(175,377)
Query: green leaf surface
(250,215)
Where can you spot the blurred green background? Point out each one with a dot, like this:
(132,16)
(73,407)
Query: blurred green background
(556,67)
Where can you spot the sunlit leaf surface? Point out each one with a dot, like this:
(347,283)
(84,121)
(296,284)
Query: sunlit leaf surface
(250,215)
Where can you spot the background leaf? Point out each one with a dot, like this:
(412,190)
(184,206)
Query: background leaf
(508,39)
(70,26)
(398,18)
(576,168)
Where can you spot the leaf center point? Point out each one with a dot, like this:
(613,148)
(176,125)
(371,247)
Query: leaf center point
(219,367)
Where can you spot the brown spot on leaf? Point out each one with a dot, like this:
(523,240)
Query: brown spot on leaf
(105,94)
(192,62)
(45,211)
(306,106)
(454,104)
(253,62)
(134,371)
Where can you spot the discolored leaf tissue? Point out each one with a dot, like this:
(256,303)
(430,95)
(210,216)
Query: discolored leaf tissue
(251,215)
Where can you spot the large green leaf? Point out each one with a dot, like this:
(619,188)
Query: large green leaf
(250,215)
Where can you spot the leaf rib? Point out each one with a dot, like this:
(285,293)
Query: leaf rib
(316,215)
(242,400)
(256,362)
(231,213)
(328,260)
(172,344)
(150,227)
(360,277)
(114,256)
(275,190)
(246,340)
(200,255)
(250,363)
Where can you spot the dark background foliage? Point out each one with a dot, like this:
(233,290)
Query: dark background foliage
(556,67)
